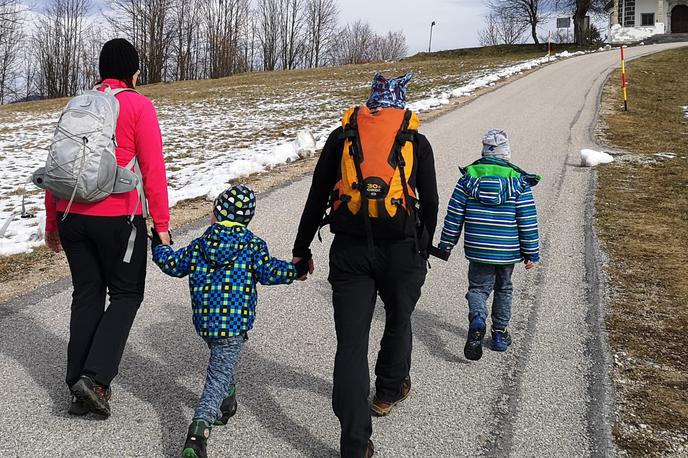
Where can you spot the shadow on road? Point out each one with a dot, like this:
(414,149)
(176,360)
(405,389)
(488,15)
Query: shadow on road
(154,381)
(428,329)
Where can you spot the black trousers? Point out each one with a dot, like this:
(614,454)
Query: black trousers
(397,273)
(95,247)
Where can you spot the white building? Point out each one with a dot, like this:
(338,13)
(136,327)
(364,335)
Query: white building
(635,20)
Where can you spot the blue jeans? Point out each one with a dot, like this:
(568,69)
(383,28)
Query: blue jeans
(219,383)
(484,279)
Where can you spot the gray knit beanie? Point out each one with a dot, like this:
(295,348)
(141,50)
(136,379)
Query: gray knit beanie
(496,143)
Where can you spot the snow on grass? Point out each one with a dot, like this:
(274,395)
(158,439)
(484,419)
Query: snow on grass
(225,133)
(592,158)
(685,111)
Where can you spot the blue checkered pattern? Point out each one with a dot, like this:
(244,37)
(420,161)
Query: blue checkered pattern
(224,265)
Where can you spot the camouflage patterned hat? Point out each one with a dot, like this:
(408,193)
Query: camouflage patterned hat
(236,204)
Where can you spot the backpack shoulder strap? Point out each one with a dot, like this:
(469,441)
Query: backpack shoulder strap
(350,125)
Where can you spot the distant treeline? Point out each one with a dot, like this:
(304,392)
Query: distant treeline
(52,51)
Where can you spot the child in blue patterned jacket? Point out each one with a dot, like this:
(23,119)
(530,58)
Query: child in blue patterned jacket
(223,266)
(494,201)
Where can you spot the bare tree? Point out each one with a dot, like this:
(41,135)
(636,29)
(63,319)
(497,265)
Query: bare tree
(185,47)
(390,47)
(320,24)
(11,35)
(528,12)
(58,42)
(581,9)
(501,29)
(146,23)
(224,24)
(268,28)
(291,38)
(354,44)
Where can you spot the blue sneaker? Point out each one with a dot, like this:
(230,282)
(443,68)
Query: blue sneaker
(501,339)
(474,343)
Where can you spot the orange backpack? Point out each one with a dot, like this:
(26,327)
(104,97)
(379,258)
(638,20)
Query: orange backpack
(379,154)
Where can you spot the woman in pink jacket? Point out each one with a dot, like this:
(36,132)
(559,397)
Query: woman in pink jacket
(94,237)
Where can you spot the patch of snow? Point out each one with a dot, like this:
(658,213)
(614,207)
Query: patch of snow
(632,34)
(591,158)
(666,155)
(685,111)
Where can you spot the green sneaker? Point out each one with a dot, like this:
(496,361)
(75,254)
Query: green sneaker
(197,440)
(228,407)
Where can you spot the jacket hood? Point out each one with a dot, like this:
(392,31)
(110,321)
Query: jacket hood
(220,245)
(492,190)
(494,166)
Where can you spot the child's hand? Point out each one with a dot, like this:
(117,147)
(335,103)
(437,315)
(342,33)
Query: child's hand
(530,265)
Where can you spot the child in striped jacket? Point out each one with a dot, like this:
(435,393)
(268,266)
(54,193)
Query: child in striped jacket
(494,201)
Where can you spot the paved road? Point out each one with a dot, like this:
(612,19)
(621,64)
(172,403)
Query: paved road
(546,397)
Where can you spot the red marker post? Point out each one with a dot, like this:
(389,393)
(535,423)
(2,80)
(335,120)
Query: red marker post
(624,81)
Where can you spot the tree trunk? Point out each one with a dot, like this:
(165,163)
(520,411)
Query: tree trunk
(533,31)
(579,35)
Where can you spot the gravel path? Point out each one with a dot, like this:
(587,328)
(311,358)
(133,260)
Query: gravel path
(546,397)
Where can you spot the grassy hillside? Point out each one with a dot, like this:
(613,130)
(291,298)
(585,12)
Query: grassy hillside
(642,208)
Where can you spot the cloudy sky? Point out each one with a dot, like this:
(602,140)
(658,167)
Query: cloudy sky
(457,21)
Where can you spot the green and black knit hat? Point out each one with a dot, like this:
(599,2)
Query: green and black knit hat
(236,204)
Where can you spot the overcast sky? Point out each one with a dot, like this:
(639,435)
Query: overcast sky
(457,21)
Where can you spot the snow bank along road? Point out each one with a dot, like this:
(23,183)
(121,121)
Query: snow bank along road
(545,397)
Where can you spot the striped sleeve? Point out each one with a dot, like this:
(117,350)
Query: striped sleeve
(453,222)
(526,219)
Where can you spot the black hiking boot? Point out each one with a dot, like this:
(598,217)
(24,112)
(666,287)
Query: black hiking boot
(93,396)
(76,407)
(228,408)
(197,440)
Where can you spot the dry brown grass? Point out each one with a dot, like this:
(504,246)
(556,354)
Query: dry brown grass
(424,65)
(642,209)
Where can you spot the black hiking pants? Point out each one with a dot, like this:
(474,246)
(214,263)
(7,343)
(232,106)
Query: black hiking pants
(95,247)
(397,274)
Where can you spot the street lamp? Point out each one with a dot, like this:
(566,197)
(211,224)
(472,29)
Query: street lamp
(430,43)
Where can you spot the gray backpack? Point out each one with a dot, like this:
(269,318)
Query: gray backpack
(81,164)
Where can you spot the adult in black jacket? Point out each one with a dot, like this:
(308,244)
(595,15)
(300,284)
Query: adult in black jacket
(394,268)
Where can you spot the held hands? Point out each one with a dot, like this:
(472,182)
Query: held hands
(160,238)
(52,240)
(303,267)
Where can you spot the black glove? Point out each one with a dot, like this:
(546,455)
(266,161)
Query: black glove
(155,238)
(302,266)
(441,254)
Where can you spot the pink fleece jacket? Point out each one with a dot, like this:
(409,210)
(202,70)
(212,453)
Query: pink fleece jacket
(138,133)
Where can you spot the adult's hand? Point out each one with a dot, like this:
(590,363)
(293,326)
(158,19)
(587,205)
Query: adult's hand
(311,267)
(52,240)
(165,238)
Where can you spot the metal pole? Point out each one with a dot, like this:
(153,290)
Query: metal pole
(430,43)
